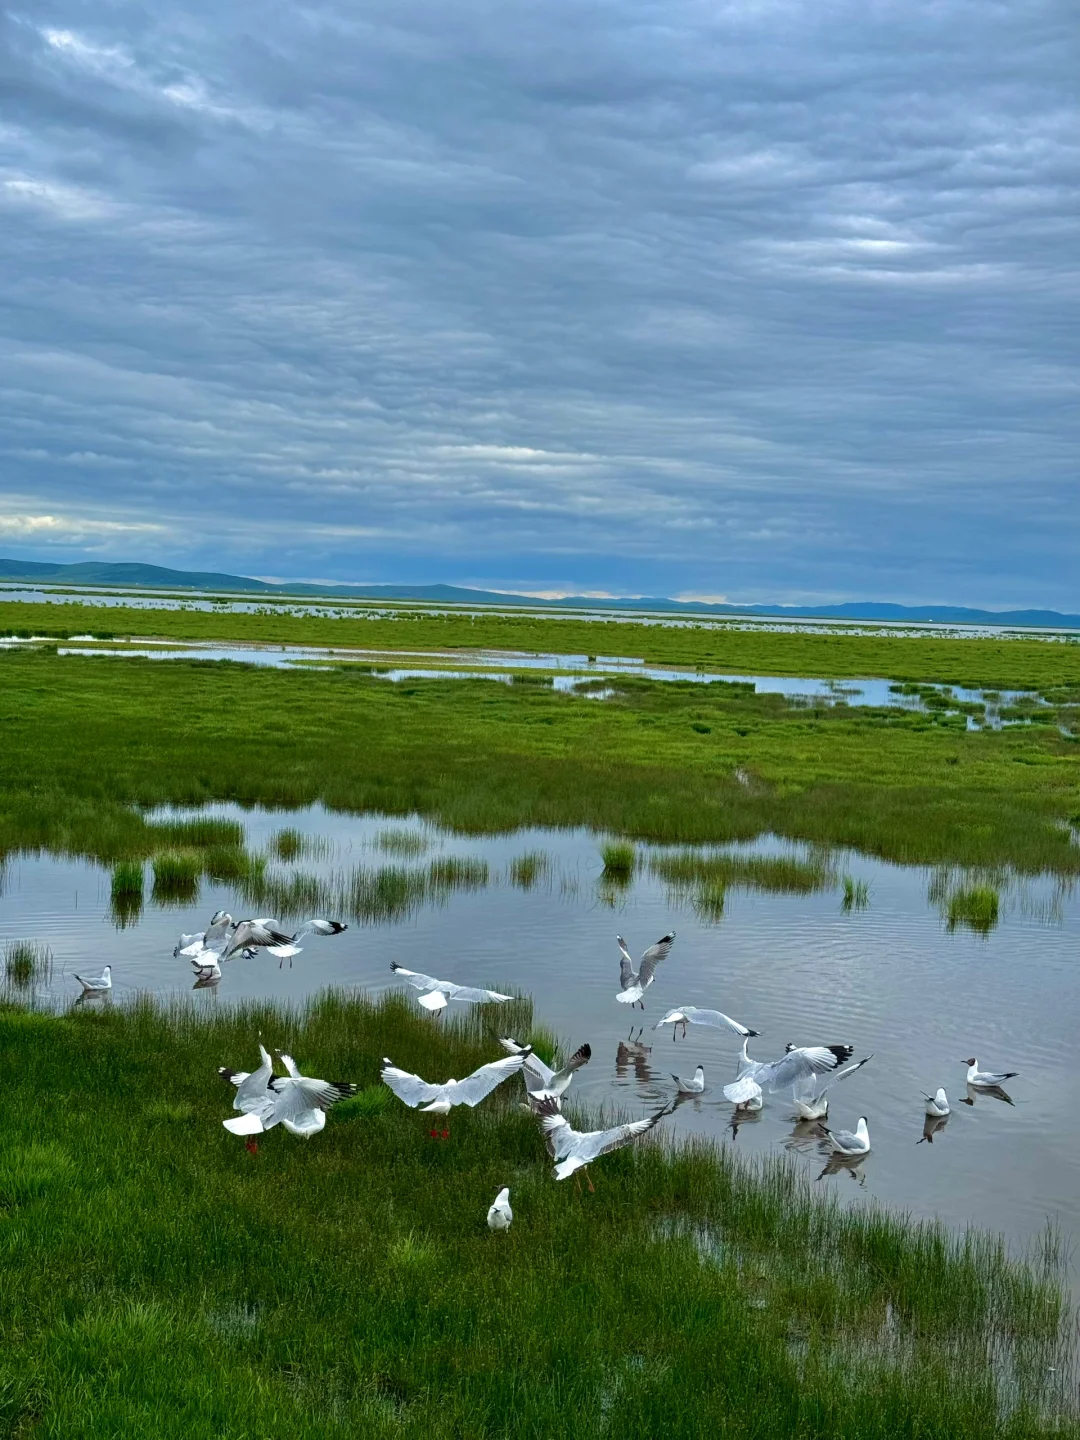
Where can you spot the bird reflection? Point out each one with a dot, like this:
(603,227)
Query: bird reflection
(743,1115)
(992,1092)
(835,1164)
(632,1053)
(208,982)
(804,1136)
(933,1125)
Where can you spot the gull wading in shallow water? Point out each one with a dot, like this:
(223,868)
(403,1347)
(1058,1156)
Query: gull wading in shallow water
(986,1079)
(96,984)
(575,1150)
(438,1099)
(436,994)
(809,1097)
(694,1086)
(633,983)
(693,1015)
(499,1213)
(541,1082)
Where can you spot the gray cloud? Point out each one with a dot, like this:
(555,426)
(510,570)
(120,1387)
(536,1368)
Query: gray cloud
(772,299)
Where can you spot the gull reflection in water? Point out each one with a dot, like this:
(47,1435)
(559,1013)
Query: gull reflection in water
(805,1137)
(932,1125)
(744,1115)
(991,1092)
(632,1054)
(835,1164)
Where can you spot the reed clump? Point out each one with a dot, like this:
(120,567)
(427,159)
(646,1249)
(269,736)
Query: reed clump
(856,894)
(620,860)
(531,869)
(975,907)
(176,877)
(406,843)
(780,874)
(27,962)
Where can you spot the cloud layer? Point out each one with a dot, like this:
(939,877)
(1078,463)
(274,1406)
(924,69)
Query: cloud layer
(762,298)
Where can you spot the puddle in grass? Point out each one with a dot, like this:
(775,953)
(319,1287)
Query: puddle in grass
(907,978)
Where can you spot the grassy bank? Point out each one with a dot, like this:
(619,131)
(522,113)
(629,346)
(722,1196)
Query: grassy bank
(86,739)
(1002,663)
(159,1281)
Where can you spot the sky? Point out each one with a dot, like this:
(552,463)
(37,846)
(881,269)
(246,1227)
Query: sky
(767,300)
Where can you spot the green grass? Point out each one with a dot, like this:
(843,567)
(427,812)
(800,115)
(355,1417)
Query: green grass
(620,861)
(176,877)
(26,961)
(160,1281)
(856,894)
(406,843)
(531,869)
(781,874)
(974,907)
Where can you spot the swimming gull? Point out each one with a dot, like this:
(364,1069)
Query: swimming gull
(633,983)
(987,1079)
(575,1150)
(844,1142)
(96,984)
(436,994)
(694,1086)
(809,1096)
(937,1105)
(499,1213)
(694,1015)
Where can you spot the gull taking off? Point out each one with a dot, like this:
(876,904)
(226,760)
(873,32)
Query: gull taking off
(937,1105)
(499,1212)
(96,984)
(214,937)
(811,1102)
(694,1086)
(986,1079)
(299,1102)
(692,1015)
(575,1150)
(798,1063)
(843,1142)
(541,1082)
(437,1099)
(633,984)
(437,994)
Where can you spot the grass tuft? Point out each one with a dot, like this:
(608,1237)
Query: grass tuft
(620,860)
(176,877)
(975,907)
(529,870)
(856,894)
(27,961)
(407,843)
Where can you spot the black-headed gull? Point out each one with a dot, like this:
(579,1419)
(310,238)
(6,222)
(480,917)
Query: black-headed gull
(694,1086)
(798,1062)
(694,1015)
(299,1102)
(633,983)
(575,1150)
(809,1097)
(845,1142)
(214,938)
(937,1105)
(499,1213)
(436,994)
(540,1080)
(986,1079)
(438,1099)
(96,984)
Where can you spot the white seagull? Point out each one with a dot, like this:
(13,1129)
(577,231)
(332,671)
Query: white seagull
(843,1142)
(437,994)
(937,1105)
(694,1086)
(541,1081)
(97,984)
(575,1150)
(776,1075)
(214,938)
(262,934)
(499,1212)
(252,1090)
(986,1079)
(299,1102)
(811,1102)
(693,1015)
(438,1099)
(633,983)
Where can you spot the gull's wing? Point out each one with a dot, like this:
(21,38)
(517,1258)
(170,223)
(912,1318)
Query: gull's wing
(718,1020)
(479,997)
(480,1083)
(251,1092)
(843,1074)
(217,930)
(417,980)
(626,965)
(652,958)
(601,1142)
(845,1138)
(256,932)
(320,927)
(408,1087)
(796,1064)
(745,1088)
(535,1073)
(562,1139)
(558,1081)
(250,1124)
(323,1093)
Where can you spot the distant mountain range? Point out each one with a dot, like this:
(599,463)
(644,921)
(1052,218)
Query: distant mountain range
(159,578)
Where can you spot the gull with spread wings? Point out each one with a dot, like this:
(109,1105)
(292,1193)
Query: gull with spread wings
(574,1150)
(435,995)
(439,1099)
(633,983)
(799,1062)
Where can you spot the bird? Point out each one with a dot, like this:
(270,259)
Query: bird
(263,934)
(252,1091)
(540,1080)
(97,984)
(694,1086)
(575,1150)
(809,1097)
(633,984)
(436,994)
(986,1079)
(438,1099)
(499,1213)
(843,1142)
(299,1102)
(798,1062)
(214,937)
(937,1105)
(692,1015)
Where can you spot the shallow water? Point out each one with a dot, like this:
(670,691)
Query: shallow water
(891,980)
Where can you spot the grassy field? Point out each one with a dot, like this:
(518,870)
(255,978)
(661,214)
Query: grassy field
(159,1281)
(1001,663)
(87,739)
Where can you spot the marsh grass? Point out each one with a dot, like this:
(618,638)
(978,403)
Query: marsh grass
(27,962)
(779,874)
(407,843)
(856,894)
(363,893)
(351,1288)
(620,861)
(533,868)
(709,897)
(975,907)
(176,877)
(126,893)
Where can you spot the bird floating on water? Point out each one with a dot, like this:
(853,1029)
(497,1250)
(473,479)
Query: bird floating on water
(937,1105)
(844,1142)
(436,994)
(986,1079)
(633,983)
(694,1086)
(693,1015)
(96,984)
(499,1213)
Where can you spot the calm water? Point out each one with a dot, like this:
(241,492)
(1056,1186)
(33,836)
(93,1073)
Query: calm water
(890,979)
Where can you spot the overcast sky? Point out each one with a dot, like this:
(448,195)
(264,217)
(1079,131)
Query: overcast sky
(765,300)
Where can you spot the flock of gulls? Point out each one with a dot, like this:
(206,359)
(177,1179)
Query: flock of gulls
(300,1102)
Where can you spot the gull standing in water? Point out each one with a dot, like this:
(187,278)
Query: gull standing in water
(798,1063)
(986,1079)
(438,1099)
(809,1097)
(436,994)
(633,983)
(694,1086)
(692,1015)
(844,1142)
(96,984)
(499,1213)
(575,1150)
(541,1082)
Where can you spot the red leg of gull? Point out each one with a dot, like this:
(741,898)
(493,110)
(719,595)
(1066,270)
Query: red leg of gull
(588,1177)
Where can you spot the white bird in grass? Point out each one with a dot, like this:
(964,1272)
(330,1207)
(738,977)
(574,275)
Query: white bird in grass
(633,983)
(499,1213)
(844,1142)
(214,938)
(693,1015)
(575,1150)
(809,1097)
(937,1105)
(541,1082)
(437,994)
(438,1099)
(986,1079)
(299,1102)
(694,1086)
(774,1075)
(96,984)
